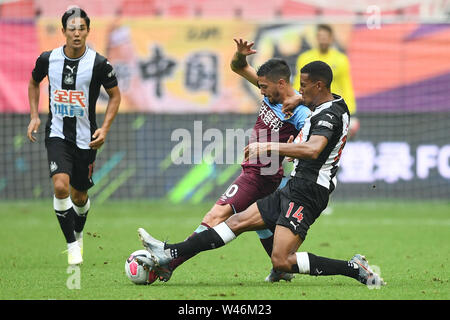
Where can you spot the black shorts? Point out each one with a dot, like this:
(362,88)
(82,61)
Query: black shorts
(296,206)
(66,157)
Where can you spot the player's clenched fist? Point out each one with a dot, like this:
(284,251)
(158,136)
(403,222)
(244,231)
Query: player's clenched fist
(33,128)
(99,137)
(256,149)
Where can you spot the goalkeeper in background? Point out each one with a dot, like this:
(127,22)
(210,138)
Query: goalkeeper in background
(338,61)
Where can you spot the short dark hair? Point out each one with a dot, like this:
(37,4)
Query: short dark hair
(275,69)
(319,70)
(325,27)
(75,12)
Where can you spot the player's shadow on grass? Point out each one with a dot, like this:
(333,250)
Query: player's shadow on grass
(297,282)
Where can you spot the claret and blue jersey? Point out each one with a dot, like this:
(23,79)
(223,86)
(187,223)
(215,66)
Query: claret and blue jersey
(297,119)
(271,125)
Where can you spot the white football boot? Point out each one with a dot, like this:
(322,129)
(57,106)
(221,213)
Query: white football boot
(160,257)
(366,275)
(74,256)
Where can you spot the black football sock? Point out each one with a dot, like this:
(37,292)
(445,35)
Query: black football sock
(176,262)
(206,240)
(64,213)
(266,239)
(209,239)
(268,245)
(321,266)
(80,216)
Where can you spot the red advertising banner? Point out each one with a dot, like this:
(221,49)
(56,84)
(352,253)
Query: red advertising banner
(182,65)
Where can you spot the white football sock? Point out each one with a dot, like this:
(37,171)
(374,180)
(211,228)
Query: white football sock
(62,204)
(81,211)
(224,231)
(303,262)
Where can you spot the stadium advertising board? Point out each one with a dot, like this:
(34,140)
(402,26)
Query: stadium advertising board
(393,156)
(182,65)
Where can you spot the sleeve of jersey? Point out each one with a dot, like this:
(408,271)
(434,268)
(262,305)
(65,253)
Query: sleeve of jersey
(298,120)
(41,67)
(108,76)
(325,125)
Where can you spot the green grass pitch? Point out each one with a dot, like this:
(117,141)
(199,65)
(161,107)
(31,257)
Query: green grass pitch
(408,241)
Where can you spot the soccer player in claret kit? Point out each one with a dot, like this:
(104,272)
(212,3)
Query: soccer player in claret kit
(289,212)
(257,179)
(75,74)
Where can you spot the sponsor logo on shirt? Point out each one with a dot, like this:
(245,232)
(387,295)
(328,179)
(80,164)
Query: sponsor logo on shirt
(69,103)
(270,118)
(325,124)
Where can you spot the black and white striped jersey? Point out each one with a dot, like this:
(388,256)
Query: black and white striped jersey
(331,119)
(74,87)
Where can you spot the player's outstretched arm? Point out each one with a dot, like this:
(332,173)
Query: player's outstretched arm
(306,150)
(239,62)
(310,149)
(33,99)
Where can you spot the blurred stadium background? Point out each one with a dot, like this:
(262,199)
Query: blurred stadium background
(172,60)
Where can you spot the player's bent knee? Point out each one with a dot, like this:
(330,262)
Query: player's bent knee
(61,189)
(280,263)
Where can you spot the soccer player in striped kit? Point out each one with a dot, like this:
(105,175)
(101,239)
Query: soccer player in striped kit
(75,74)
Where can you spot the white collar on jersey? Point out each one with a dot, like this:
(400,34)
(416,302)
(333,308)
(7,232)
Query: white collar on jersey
(76,59)
(326,104)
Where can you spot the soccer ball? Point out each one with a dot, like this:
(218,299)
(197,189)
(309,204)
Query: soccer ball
(136,272)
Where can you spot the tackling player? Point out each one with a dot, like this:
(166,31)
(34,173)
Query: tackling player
(289,212)
(272,78)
